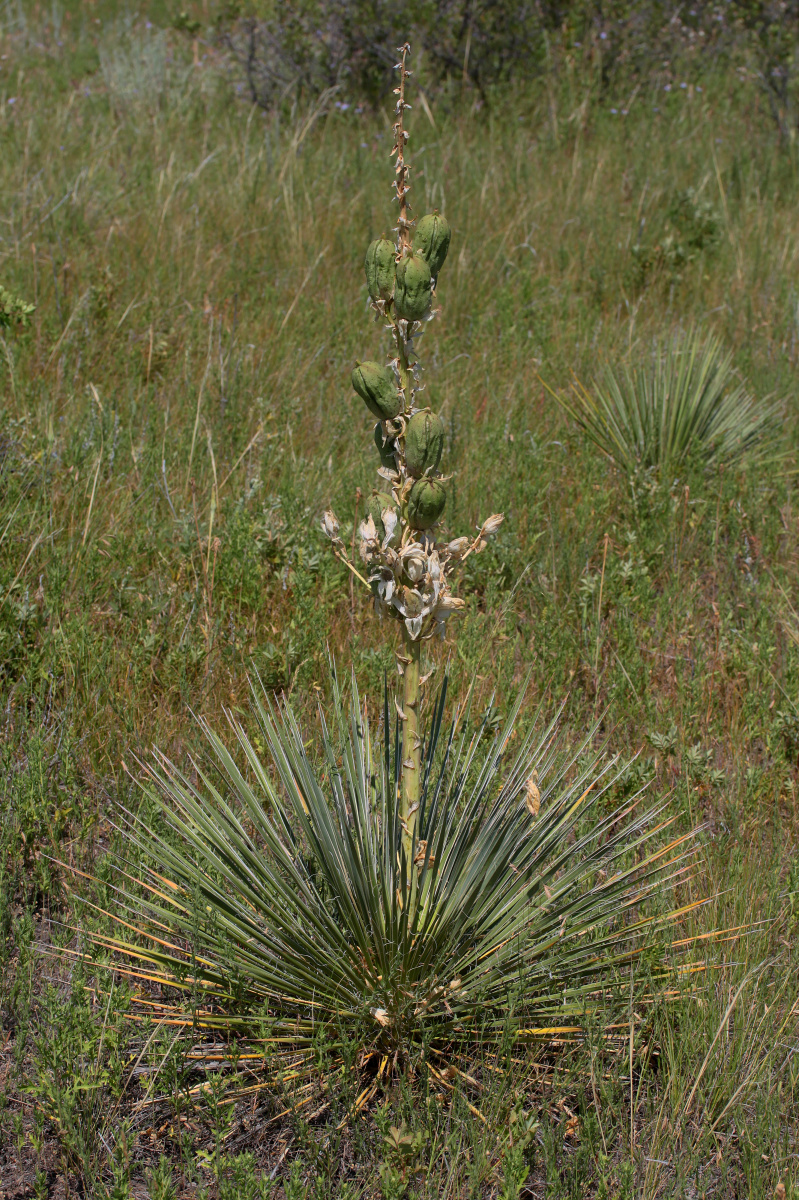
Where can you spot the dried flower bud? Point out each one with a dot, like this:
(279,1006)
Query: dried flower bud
(412,602)
(414,627)
(458,547)
(367,530)
(378,507)
(414,567)
(330,525)
(492,524)
(390,520)
(449,604)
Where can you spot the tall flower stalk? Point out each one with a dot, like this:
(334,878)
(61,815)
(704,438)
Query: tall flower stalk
(403,542)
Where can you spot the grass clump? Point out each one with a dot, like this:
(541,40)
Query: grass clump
(684,401)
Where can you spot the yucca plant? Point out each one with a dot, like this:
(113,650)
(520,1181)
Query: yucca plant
(418,889)
(685,399)
(289,902)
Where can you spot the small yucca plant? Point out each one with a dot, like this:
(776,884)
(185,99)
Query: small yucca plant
(684,400)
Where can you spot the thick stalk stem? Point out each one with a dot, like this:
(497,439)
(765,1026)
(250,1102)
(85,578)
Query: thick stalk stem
(411,748)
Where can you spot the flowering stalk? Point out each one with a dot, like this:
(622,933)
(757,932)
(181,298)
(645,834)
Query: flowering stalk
(408,569)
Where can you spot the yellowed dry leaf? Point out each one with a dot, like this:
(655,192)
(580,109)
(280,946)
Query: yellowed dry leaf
(533,796)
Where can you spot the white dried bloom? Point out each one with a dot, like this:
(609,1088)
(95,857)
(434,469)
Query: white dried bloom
(458,547)
(390,519)
(385,587)
(491,524)
(414,627)
(449,604)
(330,525)
(367,530)
(414,568)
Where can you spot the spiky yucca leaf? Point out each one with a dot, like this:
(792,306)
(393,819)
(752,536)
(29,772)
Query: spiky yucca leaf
(287,893)
(685,399)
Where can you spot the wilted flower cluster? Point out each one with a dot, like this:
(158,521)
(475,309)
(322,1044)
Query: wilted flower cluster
(409,574)
(408,568)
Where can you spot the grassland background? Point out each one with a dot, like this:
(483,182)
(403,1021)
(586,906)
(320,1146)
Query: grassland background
(182,398)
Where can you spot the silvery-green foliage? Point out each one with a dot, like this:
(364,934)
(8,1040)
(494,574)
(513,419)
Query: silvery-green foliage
(683,399)
(283,888)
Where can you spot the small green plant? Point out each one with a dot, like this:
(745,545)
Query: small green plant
(239,1179)
(515,1171)
(160,1181)
(685,401)
(293,1185)
(13,310)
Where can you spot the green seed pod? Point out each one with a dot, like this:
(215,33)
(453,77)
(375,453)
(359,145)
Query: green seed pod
(377,387)
(385,448)
(426,503)
(376,505)
(412,291)
(424,441)
(431,241)
(380,269)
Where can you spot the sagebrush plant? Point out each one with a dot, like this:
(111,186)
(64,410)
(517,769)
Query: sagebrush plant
(684,400)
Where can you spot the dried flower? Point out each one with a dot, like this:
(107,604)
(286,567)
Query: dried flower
(532,795)
(330,525)
(458,547)
(492,524)
(449,604)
